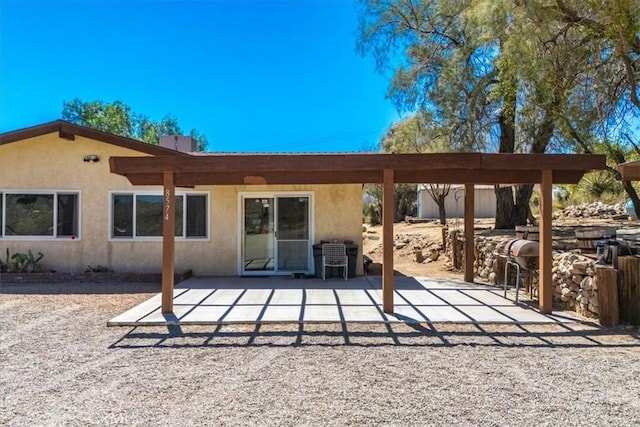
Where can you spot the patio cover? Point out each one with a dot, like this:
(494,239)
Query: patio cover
(386,169)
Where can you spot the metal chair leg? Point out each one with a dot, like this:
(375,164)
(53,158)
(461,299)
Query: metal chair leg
(517,280)
(506,276)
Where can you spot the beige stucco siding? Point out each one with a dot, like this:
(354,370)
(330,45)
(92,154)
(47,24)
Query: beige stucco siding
(337,214)
(50,163)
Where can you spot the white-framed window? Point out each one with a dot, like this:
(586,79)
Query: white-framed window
(39,214)
(138,215)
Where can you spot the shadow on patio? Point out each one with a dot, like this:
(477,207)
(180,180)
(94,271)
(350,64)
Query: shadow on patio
(573,335)
(235,300)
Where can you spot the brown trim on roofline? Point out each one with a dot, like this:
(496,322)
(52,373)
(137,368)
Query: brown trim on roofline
(68,131)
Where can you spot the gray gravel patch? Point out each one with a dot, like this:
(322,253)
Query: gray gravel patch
(61,365)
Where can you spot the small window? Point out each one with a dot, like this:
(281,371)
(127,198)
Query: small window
(39,214)
(140,215)
(122,215)
(196,216)
(67,223)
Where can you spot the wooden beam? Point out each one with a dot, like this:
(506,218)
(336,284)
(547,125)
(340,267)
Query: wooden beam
(66,135)
(630,171)
(269,178)
(483,176)
(545,294)
(387,241)
(258,163)
(168,241)
(583,162)
(469,238)
(353,177)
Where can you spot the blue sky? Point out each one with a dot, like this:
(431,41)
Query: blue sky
(252,76)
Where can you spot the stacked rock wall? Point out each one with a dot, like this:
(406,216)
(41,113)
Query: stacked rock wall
(592,210)
(574,282)
(454,252)
(573,274)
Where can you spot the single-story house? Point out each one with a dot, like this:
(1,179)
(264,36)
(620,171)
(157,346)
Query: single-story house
(59,197)
(484,202)
(153,207)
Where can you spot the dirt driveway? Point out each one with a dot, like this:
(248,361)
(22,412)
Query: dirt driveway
(62,366)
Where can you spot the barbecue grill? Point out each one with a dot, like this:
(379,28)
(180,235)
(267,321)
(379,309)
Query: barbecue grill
(522,256)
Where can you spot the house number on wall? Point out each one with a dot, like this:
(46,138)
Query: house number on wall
(167,204)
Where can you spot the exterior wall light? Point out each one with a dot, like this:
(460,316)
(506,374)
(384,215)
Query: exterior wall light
(91,158)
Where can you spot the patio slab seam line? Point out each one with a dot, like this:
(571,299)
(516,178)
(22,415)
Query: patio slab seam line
(232,305)
(415,308)
(196,304)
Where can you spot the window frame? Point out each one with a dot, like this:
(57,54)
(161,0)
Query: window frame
(184,237)
(55,193)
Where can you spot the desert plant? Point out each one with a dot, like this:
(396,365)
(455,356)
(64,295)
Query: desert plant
(97,269)
(4,265)
(596,185)
(24,262)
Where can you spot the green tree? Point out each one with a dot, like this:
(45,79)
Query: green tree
(420,134)
(510,76)
(117,118)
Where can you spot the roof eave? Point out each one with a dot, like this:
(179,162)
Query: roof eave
(68,131)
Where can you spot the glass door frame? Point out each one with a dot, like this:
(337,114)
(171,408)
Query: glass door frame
(241,225)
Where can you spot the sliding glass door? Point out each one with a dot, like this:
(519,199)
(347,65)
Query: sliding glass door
(276,234)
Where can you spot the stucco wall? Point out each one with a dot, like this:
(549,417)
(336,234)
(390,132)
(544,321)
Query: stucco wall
(50,163)
(337,214)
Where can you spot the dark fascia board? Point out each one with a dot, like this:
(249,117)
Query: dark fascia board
(68,130)
(310,163)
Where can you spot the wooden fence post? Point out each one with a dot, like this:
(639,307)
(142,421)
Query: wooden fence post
(629,289)
(608,311)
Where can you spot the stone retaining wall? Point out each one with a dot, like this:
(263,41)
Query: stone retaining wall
(573,274)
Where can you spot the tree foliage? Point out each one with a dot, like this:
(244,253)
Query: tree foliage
(117,118)
(513,76)
(420,134)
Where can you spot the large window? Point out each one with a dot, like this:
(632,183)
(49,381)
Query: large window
(46,214)
(139,215)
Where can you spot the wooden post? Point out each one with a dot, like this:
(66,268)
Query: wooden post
(545,293)
(469,239)
(387,241)
(629,290)
(608,311)
(453,237)
(445,231)
(168,241)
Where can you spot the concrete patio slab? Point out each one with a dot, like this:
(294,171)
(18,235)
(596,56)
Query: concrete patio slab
(223,300)
(282,313)
(224,297)
(322,313)
(443,314)
(320,296)
(420,298)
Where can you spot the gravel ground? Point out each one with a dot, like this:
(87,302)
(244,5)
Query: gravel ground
(62,366)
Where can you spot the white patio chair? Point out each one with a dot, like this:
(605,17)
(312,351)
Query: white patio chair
(334,255)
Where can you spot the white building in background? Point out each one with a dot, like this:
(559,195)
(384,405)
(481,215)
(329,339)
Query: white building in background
(484,202)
